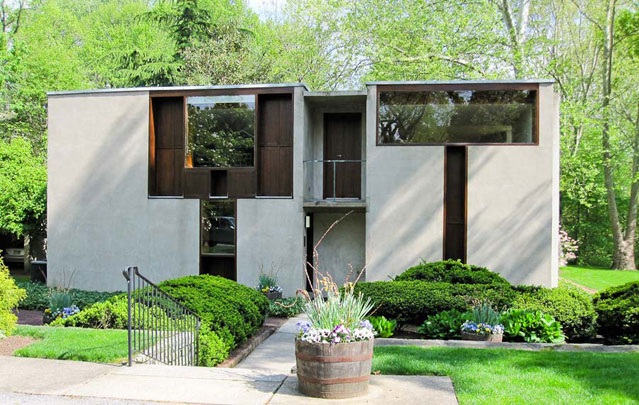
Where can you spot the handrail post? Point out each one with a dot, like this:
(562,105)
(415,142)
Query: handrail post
(334,165)
(129,276)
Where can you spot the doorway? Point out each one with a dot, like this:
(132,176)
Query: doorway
(342,155)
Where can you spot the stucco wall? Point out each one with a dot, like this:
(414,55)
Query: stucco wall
(100,219)
(270,231)
(342,252)
(513,203)
(405,191)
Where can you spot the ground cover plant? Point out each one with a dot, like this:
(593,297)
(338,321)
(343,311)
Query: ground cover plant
(383,327)
(94,345)
(500,376)
(38,296)
(531,326)
(598,278)
(618,311)
(285,307)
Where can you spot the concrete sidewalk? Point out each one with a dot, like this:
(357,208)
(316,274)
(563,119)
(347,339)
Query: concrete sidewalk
(264,377)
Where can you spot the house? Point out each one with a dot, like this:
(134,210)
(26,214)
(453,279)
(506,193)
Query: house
(234,180)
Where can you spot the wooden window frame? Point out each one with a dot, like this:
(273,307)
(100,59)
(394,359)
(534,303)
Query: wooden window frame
(201,234)
(457,87)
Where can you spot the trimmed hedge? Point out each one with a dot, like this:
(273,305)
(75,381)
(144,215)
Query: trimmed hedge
(38,296)
(231,311)
(413,301)
(573,308)
(618,311)
(452,271)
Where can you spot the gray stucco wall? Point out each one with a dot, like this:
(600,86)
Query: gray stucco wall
(342,252)
(405,191)
(513,203)
(100,219)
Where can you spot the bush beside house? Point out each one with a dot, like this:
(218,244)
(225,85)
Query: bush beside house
(452,271)
(618,311)
(10,296)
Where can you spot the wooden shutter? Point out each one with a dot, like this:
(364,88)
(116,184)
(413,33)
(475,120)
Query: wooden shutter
(166,147)
(275,145)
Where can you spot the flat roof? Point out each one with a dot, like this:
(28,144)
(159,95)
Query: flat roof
(309,93)
(174,88)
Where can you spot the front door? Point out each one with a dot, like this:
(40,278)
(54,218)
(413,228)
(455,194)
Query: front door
(342,142)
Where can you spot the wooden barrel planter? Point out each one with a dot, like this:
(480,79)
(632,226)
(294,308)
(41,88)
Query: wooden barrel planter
(334,371)
(496,338)
(272,296)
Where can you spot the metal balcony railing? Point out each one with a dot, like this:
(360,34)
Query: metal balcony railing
(341,178)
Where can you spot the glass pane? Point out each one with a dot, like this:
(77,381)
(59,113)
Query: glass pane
(218,227)
(462,116)
(221,131)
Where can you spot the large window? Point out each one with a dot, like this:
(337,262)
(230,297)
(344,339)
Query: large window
(218,227)
(457,117)
(221,131)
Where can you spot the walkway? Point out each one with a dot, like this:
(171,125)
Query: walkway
(262,378)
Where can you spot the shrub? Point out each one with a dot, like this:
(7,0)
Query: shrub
(384,327)
(531,326)
(285,307)
(38,296)
(451,271)
(618,311)
(110,314)
(234,312)
(413,301)
(444,325)
(571,307)
(10,296)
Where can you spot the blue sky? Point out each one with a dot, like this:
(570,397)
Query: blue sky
(266,8)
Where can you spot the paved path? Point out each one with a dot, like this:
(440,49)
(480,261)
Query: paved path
(262,378)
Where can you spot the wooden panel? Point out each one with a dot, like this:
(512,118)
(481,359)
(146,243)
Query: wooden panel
(166,144)
(196,183)
(169,171)
(455,203)
(343,141)
(241,183)
(275,145)
(168,116)
(219,183)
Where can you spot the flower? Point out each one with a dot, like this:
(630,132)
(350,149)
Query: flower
(303,327)
(482,328)
(366,324)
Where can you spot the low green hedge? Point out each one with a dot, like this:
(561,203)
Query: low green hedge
(618,311)
(571,307)
(452,271)
(38,296)
(413,301)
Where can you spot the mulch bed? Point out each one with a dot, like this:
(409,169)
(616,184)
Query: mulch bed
(10,344)
(28,317)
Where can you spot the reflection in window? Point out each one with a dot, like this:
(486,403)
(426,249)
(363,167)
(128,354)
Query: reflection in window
(218,227)
(221,131)
(461,116)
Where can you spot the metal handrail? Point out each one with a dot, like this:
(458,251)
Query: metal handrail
(334,162)
(159,327)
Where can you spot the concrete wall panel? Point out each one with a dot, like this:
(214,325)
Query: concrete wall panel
(100,219)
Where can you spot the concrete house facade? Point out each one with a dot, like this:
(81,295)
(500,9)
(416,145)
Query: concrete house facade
(234,180)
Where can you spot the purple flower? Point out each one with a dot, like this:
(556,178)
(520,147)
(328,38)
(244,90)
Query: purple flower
(303,326)
(341,329)
(366,324)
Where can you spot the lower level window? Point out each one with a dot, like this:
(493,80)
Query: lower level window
(218,228)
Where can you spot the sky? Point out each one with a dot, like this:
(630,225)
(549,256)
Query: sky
(266,8)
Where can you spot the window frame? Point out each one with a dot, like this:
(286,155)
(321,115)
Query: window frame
(409,88)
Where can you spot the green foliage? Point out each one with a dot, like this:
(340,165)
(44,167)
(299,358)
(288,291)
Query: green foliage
(573,308)
(618,313)
(10,296)
(484,313)
(444,325)
(23,187)
(59,299)
(110,314)
(345,307)
(286,307)
(266,280)
(413,301)
(531,326)
(230,310)
(38,295)
(451,271)
(384,327)
(213,349)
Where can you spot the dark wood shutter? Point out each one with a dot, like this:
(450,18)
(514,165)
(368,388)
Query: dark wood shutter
(166,147)
(275,145)
(343,141)
(455,203)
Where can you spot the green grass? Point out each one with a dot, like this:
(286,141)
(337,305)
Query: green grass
(95,345)
(598,278)
(500,376)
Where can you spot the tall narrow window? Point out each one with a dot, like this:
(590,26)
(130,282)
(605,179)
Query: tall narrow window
(218,228)
(455,203)
(221,131)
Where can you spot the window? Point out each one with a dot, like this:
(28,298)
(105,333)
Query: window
(221,131)
(218,227)
(457,116)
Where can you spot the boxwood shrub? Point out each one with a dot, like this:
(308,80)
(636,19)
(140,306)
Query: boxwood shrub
(618,311)
(413,301)
(451,271)
(573,308)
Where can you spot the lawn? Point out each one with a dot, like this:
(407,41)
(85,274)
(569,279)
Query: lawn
(500,376)
(95,345)
(598,278)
